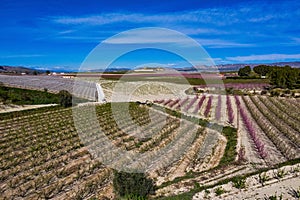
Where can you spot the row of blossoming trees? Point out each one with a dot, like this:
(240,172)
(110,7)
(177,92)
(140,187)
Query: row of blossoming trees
(277,119)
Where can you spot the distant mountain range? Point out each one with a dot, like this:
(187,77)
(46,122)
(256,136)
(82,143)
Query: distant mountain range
(110,70)
(18,70)
(236,67)
(222,68)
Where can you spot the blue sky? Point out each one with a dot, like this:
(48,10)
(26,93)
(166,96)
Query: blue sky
(60,34)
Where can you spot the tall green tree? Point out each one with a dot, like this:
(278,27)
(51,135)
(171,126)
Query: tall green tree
(285,77)
(245,71)
(262,70)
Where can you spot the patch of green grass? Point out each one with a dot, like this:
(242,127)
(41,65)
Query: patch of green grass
(18,96)
(219,191)
(246,80)
(230,149)
(26,97)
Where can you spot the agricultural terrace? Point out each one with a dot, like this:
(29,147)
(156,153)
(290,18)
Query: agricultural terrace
(43,157)
(268,135)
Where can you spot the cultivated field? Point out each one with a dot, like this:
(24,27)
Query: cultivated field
(43,157)
(83,89)
(208,140)
(268,126)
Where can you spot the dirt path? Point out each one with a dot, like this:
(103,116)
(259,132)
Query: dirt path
(224,114)
(283,187)
(255,190)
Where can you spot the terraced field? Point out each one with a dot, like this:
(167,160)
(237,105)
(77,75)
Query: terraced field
(182,143)
(268,126)
(42,155)
(268,134)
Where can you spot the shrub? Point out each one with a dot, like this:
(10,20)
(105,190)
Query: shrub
(239,182)
(65,98)
(135,185)
(263,178)
(264,92)
(275,93)
(230,90)
(219,191)
(197,186)
(245,71)
(280,174)
(274,197)
(295,192)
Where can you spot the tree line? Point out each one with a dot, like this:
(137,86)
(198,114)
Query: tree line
(281,77)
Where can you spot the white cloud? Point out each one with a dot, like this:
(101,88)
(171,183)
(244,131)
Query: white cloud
(204,16)
(149,36)
(221,16)
(171,64)
(108,18)
(262,18)
(83,38)
(66,32)
(197,31)
(265,57)
(217,43)
(146,36)
(242,20)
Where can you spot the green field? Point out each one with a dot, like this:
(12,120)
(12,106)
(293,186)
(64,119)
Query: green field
(26,97)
